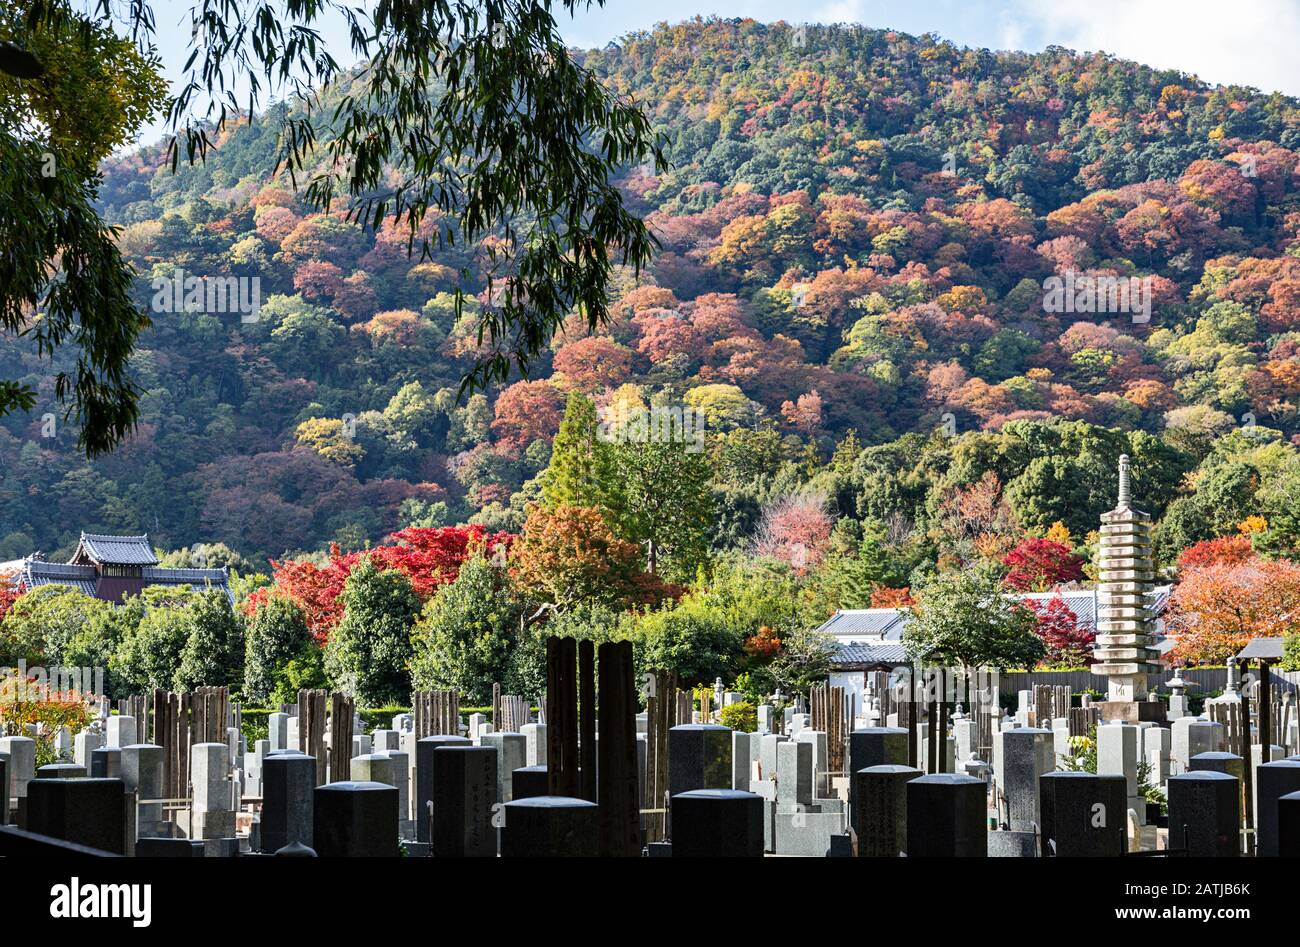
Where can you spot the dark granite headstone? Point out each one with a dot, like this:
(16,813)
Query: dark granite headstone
(168,848)
(881,819)
(947,817)
(699,757)
(90,812)
(1272,782)
(1083,815)
(873,746)
(1228,763)
(464,791)
(61,771)
(106,762)
(1205,814)
(528,781)
(1288,825)
(424,775)
(717,823)
(550,826)
(354,820)
(4,788)
(288,787)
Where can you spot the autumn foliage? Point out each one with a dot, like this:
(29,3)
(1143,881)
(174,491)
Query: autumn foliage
(1068,644)
(1216,609)
(429,557)
(1039,564)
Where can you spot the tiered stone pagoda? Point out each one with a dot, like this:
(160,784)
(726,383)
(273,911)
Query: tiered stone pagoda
(1125,648)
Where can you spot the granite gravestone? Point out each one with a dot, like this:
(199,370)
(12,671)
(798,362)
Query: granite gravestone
(354,820)
(947,816)
(464,792)
(288,784)
(717,823)
(1083,815)
(550,826)
(881,819)
(90,812)
(425,769)
(699,757)
(1205,814)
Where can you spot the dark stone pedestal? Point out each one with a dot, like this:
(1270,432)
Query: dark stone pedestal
(947,817)
(1272,782)
(61,771)
(550,826)
(1288,825)
(873,746)
(106,762)
(881,817)
(354,820)
(464,791)
(1205,814)
(1083,815)
(1228,763)
(1132,711)
(90,812)
(699,757)
(288,788)
(424,772)
(528,782)
(717,823)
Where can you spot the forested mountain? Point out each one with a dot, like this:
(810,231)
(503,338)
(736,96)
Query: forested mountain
(856,233)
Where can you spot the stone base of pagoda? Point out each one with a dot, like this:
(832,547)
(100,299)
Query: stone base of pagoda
(1131,711)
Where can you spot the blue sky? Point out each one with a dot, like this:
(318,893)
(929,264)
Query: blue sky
(1248,42)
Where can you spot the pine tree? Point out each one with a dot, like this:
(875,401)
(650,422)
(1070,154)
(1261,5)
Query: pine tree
(581,471)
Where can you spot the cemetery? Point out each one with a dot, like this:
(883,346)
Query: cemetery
(929,762)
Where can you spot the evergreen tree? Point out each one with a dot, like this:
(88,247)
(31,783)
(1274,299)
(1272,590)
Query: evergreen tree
(276,634)
(213,655)
(369,652)
(466,633)
(581,470)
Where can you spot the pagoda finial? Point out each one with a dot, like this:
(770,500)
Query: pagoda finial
(1125,488)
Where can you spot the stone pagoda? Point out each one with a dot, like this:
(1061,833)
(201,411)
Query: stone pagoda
(1125,647)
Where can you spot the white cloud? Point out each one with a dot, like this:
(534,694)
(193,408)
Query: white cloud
(1250,43)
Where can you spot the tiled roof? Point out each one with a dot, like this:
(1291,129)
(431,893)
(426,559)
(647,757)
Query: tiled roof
(37,572)
(854,654)
(115,550)
(884,623)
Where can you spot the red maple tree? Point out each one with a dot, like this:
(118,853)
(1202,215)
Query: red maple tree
(1068,643)
(1037,564)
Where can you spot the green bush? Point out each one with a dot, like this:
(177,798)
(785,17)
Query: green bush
(742,715)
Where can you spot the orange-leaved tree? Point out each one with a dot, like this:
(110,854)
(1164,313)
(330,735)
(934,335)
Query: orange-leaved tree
(1217,608)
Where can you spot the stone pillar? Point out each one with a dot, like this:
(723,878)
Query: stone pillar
(141,766)
(1191,737)
(744,751)
(90,812)
(1083,815)
(61,771)
(354,820)
(549,826)
(946,817)
(211,813)
(512,751)
(22,764)
(717,823)
(288,784)
(794,776)
(1157,742)
(277,729)
(106,762)
(873,746)
(120,731)
(83,744)
(699,757)
(534,743)
(1205,814)
(425,768)
(881,816)
(1117,755)
(1272,782)
(465,788)
(528,782)
(1229,763)
(1020,757)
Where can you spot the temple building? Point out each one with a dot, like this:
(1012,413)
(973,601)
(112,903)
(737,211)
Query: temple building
(1125,649)
(113,567)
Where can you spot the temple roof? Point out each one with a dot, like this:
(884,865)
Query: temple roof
(83,578)
(95,549)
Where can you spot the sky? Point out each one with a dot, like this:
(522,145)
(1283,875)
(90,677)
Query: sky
(1249,42)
